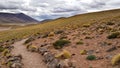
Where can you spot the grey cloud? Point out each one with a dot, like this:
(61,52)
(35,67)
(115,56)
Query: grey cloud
(57,10)
(97,4)
(47,9)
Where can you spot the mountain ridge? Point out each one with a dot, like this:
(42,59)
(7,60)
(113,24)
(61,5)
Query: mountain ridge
(16,18)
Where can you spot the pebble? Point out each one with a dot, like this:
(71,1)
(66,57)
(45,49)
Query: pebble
(111,49)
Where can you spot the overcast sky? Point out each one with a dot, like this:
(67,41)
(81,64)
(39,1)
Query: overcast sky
(50,9)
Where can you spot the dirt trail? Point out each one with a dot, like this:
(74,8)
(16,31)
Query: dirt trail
(30,60)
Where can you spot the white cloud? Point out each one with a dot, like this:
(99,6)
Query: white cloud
(47,9)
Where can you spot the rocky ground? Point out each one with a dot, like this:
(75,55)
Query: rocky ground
(91,40)
(90,46)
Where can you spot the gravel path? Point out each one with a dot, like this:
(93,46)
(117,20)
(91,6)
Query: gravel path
(30,60)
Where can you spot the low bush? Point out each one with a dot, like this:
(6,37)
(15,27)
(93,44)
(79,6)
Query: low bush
(29,40)
(86,25)
(79,43)
(110,23)
(91,57)
(5,52)
(63,55)
(83,52)
(59,32)
(51,34)
(1,49)
(60,43)
(113,35)
(88,37)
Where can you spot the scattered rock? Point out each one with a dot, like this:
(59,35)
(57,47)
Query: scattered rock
(42,50)
(111,49)
(48,57)
(14,62)
(59,32)
(97,51)
(118,46)
(53,64)
(90,52)
(108,56)
(43,45)
(16,65)
(99,58)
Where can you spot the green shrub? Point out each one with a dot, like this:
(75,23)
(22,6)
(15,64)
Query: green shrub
(87,37)
(29,40)
(110,23)
(91,57)
(60,43)
(113,35)
(80,43)
(1,49)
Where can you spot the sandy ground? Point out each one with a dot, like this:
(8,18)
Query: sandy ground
(30,60)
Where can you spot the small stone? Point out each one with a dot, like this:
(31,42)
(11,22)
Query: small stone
(43,45)
(97,51)
(99,58)
(16,65)
(118,46)
(73,54)
(48,57)
(108,56)
(90,52)
(53,64)
(62,64)
(111,49)
(43,50)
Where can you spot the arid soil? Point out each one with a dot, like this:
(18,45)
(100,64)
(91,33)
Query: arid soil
(97,45)
(92,39)
(30,60)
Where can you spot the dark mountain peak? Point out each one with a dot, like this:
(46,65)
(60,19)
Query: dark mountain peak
(16,18)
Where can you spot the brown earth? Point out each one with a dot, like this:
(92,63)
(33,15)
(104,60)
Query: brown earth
(30,60)
(93,44)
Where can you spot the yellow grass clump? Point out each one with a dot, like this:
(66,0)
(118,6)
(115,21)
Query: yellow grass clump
(115,59)
(63,55)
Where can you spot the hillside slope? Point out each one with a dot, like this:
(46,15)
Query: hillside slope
(19,18)
(92,38)
(62,24)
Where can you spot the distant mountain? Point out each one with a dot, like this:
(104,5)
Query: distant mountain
(18,18)
(46,20)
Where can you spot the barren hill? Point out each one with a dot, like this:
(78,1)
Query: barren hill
(18,18)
